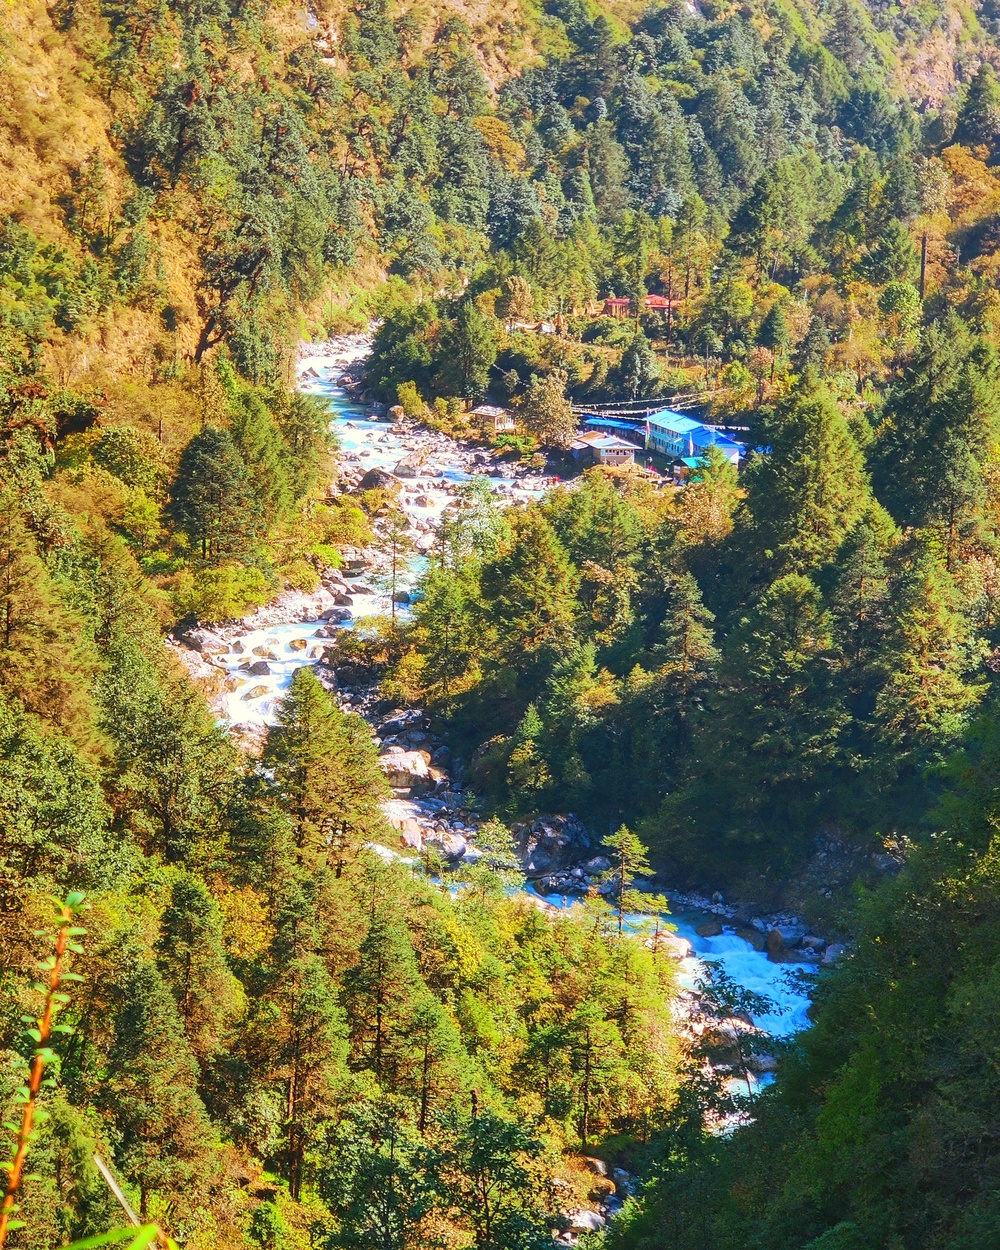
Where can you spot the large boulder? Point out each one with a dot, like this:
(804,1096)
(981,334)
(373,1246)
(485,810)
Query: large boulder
(411,464)
(407,770)
(380,479)
(259,668)
(553,842)
(203,640)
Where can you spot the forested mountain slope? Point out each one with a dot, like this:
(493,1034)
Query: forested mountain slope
(782,674)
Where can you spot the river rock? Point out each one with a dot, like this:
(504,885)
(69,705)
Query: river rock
(259,668)
(336,616)
(586,1221)
(453,845)
(754,936)
(201,639)
(552,842)
(710,929)
(624,1182)
(411,464)
(407,770)
(298,644)
(834,952)
(411,835)
(597,1166)
(257,692)
(380,479)
(671,944)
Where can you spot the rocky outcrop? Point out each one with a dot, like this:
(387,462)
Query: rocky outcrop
(552,843)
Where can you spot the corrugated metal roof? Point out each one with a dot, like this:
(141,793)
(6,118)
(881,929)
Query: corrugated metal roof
(617,423)
(610,441)
(674,422)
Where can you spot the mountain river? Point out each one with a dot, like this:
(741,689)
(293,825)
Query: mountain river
(286,645)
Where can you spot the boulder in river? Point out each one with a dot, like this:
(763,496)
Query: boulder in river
(259,668)
(380,479)
(257,692)
(336,616)
(298,644)
(411,835)
(201,639)
(552,842)
(407,770)
(411,464)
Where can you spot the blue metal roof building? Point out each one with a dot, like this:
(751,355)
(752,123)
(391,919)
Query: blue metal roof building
(680,437)
(634,430)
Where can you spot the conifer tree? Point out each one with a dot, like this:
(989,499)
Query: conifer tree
(498,867)
(528,598)
(772,747)
(446,621)
(259,443)
(528,775)
(212,500)
(191,959)
(814,347)
(979,116)
(311,1057)
(931,459)
(860,598)
(468,352)
(686,648)
(926,699)
(630,859)
(381,993)
(34,623)
(375,1174)
(436,1059)
(596,522)
(488,1168)
(773,333)
(806,493)
(149,1091)
(173,767)
(325,769)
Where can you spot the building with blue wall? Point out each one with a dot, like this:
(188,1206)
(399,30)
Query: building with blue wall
(683,438)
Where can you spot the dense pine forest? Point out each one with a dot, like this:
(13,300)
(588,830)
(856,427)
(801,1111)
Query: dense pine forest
(222,985)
